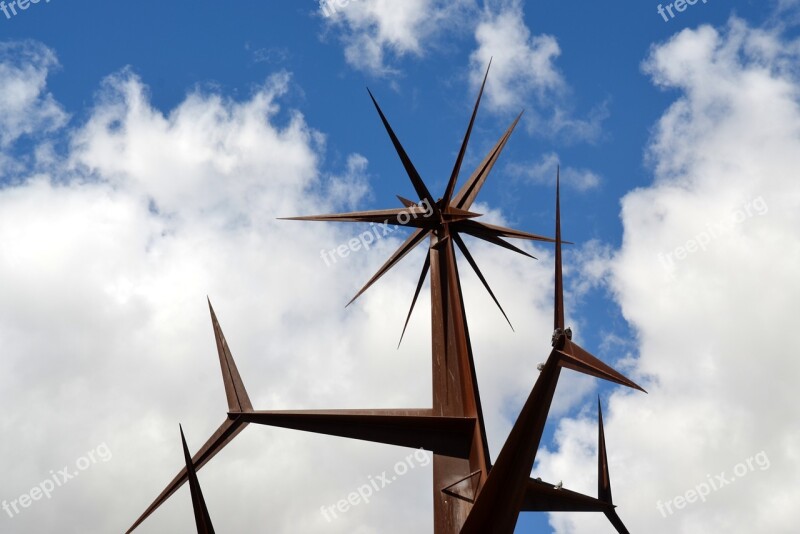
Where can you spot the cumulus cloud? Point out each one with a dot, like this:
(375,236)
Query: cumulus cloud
(377,32)
(544,171)
(524,73)
(106,256)
(712,310)
(25,105)
(523,63)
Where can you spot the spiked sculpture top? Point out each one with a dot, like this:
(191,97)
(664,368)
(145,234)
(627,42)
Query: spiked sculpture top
(469,494)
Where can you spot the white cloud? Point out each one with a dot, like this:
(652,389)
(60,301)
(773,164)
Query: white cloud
(523,64)
(544,170)
(376,32)
(715,335)
(26,108)
(524,74)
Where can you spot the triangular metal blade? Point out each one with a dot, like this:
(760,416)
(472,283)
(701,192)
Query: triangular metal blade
(238,400)
(413,216)
(477,270)
(493,239)
(425,267)
(603,475)
(544,497)
(405,202)
(558,319)
(451,184)
(407,246)
(466,488)
(457,214)
(502,497)
(224,434)
(469,191)
(201,517)
(575,358)
(502,231)
(416,180)
(447,436)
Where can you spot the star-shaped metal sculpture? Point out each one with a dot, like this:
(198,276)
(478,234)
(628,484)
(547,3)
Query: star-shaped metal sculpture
(440,221)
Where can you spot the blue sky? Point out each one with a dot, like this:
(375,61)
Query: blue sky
(146,114)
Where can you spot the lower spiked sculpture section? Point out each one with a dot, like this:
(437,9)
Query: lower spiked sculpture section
(238,402)
(470,495)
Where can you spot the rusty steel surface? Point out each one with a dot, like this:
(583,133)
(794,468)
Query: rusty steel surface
(470,495)
(201,517)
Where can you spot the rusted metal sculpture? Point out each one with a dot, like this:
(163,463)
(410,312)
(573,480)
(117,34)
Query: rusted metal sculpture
(509,489)
(201,517)
(470,495)
(238,402)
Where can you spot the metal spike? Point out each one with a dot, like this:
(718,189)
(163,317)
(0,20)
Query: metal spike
(407,246)
(451,184)
(490,237)
(201,517)
(416,180)
(469,191)
(559,289)
(603,476)
(475,268)
(238,400)
(425,267)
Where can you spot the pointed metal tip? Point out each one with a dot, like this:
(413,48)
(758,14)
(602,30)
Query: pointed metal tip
(183,440)
(401,338)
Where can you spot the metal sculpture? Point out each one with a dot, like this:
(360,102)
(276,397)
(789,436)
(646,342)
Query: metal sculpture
(470,495)
(238,402)
(509,489)
(201,517)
